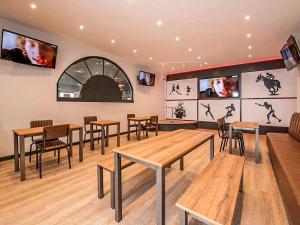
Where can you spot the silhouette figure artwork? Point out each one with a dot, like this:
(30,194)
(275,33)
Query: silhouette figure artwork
(230,109)
(269,107)
(188,90)
(270,83)
(176,89)
(208,112)
(180,111)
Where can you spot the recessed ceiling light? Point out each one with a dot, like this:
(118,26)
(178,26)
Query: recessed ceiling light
(134,51)
(150,58)
(172,68)
(113,41)
(159,23)
(248,35)
(33,6)
(250,56)
(81,27)
(249,47)
(247,17)
(177,38)
(199,57)
(190,49)
(205,63)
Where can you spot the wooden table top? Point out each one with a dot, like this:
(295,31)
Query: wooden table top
(105,122)
(39,130)
(166,148)
(139,118)
(240,124)
(211,195)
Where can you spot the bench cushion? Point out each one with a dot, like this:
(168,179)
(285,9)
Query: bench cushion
(107,162)
(212,197)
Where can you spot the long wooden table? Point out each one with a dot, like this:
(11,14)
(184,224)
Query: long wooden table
(158,153)
(248,126)
(137,119)
(212,197)
(104,124)
(19,144)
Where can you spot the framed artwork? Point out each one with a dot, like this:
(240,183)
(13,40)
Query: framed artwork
(183,110)
(182,89)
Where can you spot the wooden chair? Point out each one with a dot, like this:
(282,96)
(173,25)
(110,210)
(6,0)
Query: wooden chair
(51,142)
(38,123)
(87,120)
(224,135)
(132,123)
(151,126)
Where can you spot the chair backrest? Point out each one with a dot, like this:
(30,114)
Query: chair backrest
(221,126)
(40,123)
(154,120)
(56,131)
(87,120)
(294,128)
(130,115)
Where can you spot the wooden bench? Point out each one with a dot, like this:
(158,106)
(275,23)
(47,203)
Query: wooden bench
(212,197)
(106,162)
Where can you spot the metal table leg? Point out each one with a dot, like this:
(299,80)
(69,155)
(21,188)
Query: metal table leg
(100,181)
(230,139)
(71,143)
(118,188)
(128,129)
(212,148)
(160,192)
(257,150)
(139,131)
(81,144)
(92,147)
(102,139)
(16,152)
(22,158)
(118,135)
(183,217)
(107,136)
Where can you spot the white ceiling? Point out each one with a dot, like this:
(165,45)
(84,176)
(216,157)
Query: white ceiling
(215,30)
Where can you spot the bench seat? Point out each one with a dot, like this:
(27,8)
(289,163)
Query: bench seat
(212,197)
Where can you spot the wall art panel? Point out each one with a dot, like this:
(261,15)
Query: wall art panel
(182,89)
(185,110)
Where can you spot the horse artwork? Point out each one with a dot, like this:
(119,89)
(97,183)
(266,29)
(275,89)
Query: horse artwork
(270,83)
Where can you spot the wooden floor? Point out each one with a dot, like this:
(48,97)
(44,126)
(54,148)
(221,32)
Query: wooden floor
(66,196)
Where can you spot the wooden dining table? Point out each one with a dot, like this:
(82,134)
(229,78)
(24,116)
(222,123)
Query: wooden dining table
(247,126)
(158,153)
(139,120)
(19,145)
(104,141)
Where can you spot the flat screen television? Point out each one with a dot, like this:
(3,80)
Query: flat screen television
(220,87)
(290,53)
(26,50)
(145,78)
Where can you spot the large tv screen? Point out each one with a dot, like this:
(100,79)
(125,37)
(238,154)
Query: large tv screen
(145,78)
(290,53)
(219,87)
(22,49)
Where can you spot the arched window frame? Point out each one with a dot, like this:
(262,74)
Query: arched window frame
(66,99)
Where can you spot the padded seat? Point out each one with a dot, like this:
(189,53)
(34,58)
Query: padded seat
(280,137)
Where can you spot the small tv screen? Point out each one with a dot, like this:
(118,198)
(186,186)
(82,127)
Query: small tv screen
(145,78)
(219,87)
(22,49)
(290,53)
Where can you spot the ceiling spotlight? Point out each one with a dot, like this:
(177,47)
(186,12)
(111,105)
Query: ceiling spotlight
(250,56)
(248,35)
(190,49)
(113,41)
(159,23)
(198,57)
(247,17)
(150,58)
(172,68)
(249,47)
(134,51)
(33,6)
(205,63)
(81,27)
(177,38)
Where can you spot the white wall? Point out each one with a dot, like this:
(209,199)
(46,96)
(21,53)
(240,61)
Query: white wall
(29,93)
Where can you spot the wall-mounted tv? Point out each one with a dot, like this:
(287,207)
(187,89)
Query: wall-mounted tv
(290,53)
(219,87)
(145,78)
(26,50)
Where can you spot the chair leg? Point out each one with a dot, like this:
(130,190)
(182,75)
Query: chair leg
(37,160)
(98,137)
(226,142)
(30,152)
(240,146)
(58,156)
(221,145)
(243,143)
(69,160)
(84,139)
(40,164)
(100,182)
